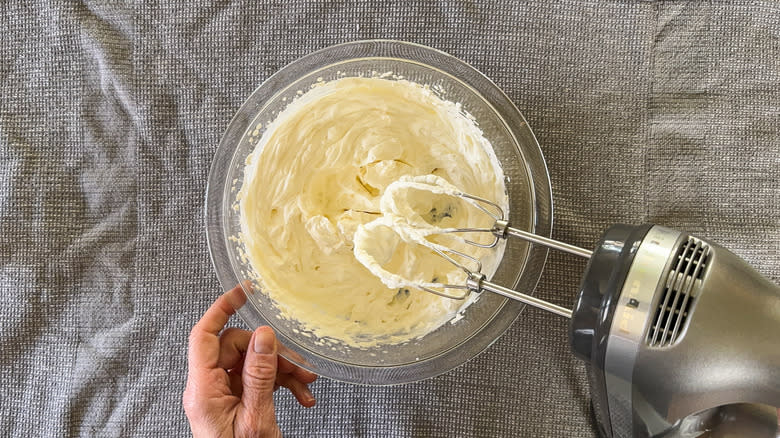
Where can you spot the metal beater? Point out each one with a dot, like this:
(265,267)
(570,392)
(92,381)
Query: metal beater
(476,280)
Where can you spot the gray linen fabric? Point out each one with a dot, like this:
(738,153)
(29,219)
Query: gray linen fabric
(110,113)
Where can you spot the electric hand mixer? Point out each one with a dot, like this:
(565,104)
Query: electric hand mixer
(680,336)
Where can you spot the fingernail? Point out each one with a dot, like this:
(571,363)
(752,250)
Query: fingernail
(264,341)
(307,395)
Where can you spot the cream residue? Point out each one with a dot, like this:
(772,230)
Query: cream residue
(318,174)
(406,218)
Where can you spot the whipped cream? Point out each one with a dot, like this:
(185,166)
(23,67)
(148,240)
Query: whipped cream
(312,198)
(403,220)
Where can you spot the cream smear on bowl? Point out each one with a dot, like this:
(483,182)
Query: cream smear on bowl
(318,173)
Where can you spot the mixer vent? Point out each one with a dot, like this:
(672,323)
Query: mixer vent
(680,290)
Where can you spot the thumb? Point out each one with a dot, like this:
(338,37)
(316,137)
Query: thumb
(258,379)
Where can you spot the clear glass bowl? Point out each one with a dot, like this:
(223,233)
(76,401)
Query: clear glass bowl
(527,183)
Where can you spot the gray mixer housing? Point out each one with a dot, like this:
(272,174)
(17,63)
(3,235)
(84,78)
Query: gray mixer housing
(696,351)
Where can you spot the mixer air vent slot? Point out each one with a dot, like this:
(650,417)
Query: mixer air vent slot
(680,289)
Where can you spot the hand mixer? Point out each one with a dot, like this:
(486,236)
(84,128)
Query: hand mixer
(680,336)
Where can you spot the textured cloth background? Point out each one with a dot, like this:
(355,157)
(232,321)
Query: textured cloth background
(664,112)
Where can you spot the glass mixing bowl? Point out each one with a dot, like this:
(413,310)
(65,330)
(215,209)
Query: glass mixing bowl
(527,183)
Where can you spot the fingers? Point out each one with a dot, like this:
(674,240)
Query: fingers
(295,378)
(204,341)
(236,297)
(258,379)
(287,367)
(290,368)
(233,344)
(299,389)
(219,313)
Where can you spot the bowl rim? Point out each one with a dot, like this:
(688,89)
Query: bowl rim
(217,191)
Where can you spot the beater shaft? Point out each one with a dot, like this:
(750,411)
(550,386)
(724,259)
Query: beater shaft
(504,229)
(527,299)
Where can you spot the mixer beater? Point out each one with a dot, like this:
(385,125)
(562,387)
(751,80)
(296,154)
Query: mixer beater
(475,281)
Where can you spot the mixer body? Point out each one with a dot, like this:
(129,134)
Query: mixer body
(680,336)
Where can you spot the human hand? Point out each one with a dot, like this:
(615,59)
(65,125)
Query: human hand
(232,376)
